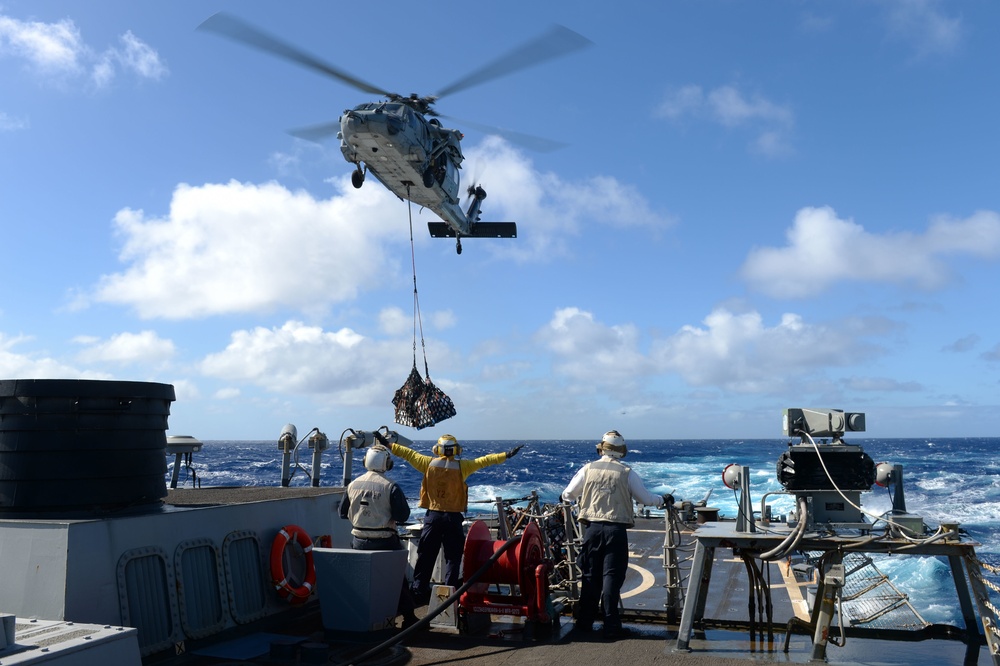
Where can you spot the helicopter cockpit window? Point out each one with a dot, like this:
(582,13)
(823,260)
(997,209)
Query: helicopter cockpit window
(450,183)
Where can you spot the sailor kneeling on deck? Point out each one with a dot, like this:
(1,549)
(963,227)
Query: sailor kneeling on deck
(375,505)
(605,490)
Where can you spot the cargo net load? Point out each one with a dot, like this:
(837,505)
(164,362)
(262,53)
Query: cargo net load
(419,403)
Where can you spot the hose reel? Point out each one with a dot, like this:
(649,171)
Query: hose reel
(521,568)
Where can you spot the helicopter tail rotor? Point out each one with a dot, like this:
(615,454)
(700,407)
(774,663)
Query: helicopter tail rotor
(476,228)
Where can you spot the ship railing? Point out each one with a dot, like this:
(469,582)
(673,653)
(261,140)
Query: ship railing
(989,614)
(562,538)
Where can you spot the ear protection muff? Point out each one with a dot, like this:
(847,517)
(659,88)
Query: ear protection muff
(447,446)
(447,450)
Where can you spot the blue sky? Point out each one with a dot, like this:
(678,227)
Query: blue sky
(760,206)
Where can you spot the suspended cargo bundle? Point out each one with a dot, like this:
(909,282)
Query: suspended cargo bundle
(420,404)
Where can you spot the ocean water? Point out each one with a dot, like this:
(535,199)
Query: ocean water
(945,480)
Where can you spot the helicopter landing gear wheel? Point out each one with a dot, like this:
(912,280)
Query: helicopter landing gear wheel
(458,245)
(358,178)
(428,178)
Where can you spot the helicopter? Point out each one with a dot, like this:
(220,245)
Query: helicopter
(400,139)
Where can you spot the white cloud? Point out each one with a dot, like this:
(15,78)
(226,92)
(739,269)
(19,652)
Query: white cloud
(37,366)
(738,352)
(9,123)
(229,393)
(590,351)
(442,319)
(922,24)
(299,359)
(823,249)
(49,47)
(547,208)
(251,248)
(125,348)
(688,100)
(138,57)
(732,108)
(393,321)
(58,50)
(735,352)
(186,391)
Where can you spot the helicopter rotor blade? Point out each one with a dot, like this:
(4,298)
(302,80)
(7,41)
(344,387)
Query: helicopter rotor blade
(316,133)
(240,31)
(536,143)
(558,40)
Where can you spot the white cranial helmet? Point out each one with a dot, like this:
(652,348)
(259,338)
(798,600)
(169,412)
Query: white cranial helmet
(612,444)
(378,459)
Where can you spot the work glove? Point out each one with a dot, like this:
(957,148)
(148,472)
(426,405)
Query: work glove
(513,451)
(668,500)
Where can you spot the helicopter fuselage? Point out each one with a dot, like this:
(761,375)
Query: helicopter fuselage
(415,158)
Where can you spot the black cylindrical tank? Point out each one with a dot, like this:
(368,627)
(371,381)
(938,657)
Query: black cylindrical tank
(80,446)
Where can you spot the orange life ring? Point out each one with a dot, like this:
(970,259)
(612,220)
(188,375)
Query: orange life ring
(292,534)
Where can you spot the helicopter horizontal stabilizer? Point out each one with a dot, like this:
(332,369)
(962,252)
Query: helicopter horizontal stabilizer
(481,230)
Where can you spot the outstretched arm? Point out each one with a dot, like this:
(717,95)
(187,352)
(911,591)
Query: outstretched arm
(419,461)
(470,466)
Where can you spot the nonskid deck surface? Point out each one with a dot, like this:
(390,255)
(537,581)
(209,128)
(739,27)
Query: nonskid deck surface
(505,642)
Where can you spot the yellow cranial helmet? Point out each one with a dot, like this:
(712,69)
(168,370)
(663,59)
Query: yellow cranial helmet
(612,444)
(447,446)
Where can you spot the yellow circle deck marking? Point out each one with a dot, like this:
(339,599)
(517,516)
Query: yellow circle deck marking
(646,582)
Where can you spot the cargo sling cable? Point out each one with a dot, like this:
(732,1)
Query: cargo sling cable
(419,403)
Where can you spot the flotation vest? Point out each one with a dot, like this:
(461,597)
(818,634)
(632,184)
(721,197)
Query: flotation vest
(370,511)
(606,497)
(444,488)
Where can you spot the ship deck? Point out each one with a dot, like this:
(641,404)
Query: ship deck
(725,640)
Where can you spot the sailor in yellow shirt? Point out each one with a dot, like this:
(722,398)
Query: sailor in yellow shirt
(445,495)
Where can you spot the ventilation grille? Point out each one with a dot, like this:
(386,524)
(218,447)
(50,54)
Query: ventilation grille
(245,577)
(199,594)
(145,583)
